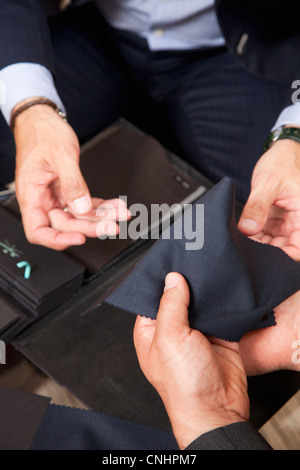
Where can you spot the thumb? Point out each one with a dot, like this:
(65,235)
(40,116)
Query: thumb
(74,188)
(256,211)
(172,315)
(173,311)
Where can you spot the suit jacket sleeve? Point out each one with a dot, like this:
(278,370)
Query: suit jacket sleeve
(24,33)
(236,436)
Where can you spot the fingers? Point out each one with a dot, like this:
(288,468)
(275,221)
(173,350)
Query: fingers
(47,236)
(143,335)
(256,210)
(99,222)
(64,222)
(58,229)
(292,252)
(112,209)
(73,186)
(36,222)
(36,226)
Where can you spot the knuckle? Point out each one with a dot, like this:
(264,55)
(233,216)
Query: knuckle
(73,186)
(166,302)
(30,237)
(258,204)
(165,345)
(70,148)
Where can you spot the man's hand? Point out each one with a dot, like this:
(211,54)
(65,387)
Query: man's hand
(274,348)
(49,181)
(272,212)
(202,383)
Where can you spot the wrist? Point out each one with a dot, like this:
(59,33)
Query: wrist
(41,134)
(34,109)
(285,154)
(286,133)
(188,428)
(281,163)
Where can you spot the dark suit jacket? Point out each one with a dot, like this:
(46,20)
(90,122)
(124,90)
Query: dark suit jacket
(263,34)
(237,436)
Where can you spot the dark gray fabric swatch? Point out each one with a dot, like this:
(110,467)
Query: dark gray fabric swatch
(235,282)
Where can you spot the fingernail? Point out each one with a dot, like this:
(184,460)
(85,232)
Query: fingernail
(82,205)
(171,281)
(248,223)
(79,243)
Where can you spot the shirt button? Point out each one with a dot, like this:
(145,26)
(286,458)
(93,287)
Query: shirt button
(158,32)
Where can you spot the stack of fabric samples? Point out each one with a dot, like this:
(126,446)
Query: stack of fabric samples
(35,278)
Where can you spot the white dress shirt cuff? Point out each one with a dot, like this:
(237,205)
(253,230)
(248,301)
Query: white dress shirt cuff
(290,116)
(25,80)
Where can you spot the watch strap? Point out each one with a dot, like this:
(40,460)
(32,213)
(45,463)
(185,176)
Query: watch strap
(291,133)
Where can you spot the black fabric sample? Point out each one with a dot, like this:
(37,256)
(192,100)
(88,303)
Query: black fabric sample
(12,319)
(93,356)
(74,429)
(235,282)
(54,277)
(21,414)
(8,314)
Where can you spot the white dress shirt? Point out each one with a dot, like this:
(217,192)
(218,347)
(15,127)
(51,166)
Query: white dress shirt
(165,24)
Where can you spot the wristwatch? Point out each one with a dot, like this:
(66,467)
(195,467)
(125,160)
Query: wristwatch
(291,133)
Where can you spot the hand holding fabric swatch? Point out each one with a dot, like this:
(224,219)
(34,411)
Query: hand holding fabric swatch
(235,282)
